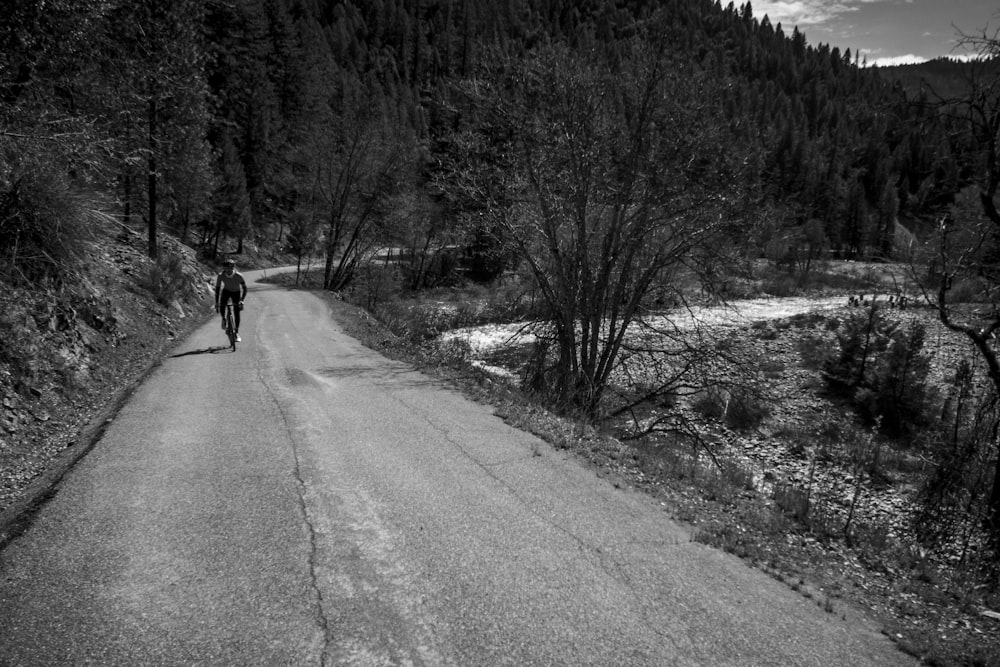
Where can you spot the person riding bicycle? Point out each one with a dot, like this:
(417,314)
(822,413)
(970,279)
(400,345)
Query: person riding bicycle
(230,285)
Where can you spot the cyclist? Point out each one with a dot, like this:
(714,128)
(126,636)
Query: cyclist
(230,285)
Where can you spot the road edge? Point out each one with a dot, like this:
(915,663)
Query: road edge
(17,517)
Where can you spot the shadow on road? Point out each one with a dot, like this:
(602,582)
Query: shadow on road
(207,350)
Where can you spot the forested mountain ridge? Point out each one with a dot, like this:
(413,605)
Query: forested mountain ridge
(835,141)
(938,79)
(205,115)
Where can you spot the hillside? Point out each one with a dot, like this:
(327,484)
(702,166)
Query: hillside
(69,355)
(941,78)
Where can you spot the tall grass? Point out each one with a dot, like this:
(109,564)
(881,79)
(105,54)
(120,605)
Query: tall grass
(46,219)
(165,278)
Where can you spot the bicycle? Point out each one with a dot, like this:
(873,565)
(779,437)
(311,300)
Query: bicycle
(231,325)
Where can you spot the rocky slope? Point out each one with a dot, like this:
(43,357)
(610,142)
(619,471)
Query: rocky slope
(70,352)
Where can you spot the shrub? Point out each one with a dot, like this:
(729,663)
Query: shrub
(724,482)
(455,353)
(745,410)
(165,279)
(814,351)
(43,223)
(731,538)
(793,501)
(512,303)
(797,438)
(412,322)
(882,370)
(900,389)
(953,498)
(710,403)
(806,320)
(740,408)
(781,286)
(536,372)
(375,283)
(971,290)
(860,340)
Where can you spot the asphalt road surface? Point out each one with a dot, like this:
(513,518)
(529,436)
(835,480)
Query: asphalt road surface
(304,501)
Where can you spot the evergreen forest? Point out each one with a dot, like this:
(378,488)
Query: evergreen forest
(291,121)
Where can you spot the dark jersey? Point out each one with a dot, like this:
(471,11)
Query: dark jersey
(230,283)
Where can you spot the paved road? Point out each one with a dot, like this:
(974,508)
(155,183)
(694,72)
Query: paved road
(304,501)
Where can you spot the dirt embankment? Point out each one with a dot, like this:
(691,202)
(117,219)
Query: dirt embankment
(68,354)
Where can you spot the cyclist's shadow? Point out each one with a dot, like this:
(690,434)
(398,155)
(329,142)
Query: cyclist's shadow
(207,350)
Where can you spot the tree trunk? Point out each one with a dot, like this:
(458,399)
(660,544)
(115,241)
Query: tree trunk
(328,269)
(994,506)
(153,250)
(127,212)
(127,196)
(466,40)
(416,45)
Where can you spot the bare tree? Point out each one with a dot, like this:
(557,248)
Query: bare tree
(354,163)
(152,57)
(966,250)
(612,176)
(302,239)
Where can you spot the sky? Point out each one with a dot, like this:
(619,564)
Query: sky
(887,32)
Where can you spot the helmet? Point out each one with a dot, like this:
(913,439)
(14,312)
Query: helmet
(229,261)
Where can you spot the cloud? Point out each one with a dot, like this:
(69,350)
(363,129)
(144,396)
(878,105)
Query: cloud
(802,12)
(891,61)
(910,59)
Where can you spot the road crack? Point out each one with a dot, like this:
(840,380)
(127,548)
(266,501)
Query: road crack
(608,562)
(320,612)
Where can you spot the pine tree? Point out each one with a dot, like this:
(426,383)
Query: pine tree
(155,56)
(232,215)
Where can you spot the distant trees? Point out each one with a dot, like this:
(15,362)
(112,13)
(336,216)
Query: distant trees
(163,86)
(153,60)
(351,167)
(609,176)
(231,204)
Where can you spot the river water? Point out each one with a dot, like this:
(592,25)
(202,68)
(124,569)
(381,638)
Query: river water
(740,313)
